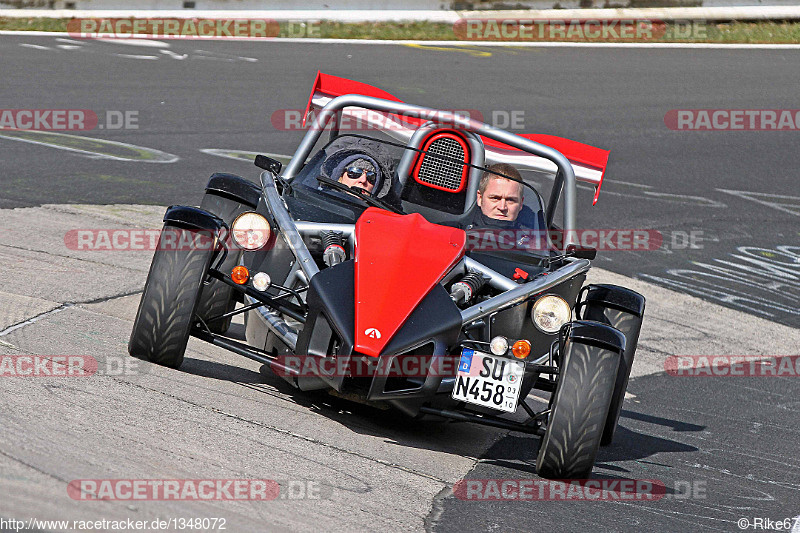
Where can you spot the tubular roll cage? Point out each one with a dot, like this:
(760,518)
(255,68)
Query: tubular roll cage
(565,175)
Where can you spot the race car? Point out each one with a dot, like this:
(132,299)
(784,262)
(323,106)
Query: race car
(402,290)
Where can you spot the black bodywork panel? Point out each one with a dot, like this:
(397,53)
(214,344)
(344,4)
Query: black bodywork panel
(615,297)
(235,188)
(330,326)
(193,217)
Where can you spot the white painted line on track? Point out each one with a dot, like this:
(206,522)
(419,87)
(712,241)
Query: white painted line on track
(35,46)
(156,156)
(512,44)
(33,320)
(136,41)
(770,200)
(36,33)
(134,56)
(239,155)
(173,55)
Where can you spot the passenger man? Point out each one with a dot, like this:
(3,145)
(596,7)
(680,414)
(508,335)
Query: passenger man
(500,198)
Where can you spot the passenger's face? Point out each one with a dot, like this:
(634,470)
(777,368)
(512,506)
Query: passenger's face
(359,181)
(502,199)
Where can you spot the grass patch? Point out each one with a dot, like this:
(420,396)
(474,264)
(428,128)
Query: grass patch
(755,32)
(401,31)
(780,32)
(33,24)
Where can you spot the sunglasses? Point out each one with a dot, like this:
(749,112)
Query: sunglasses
(355,172)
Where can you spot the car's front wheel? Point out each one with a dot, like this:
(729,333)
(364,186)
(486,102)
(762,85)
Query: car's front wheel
(171,293)
(580,403)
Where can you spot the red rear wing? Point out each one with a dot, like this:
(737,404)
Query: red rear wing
(588,161)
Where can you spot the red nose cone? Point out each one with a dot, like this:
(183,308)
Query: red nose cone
(399,259)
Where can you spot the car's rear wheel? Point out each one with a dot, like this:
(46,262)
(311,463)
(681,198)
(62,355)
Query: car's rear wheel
(579,408)
(170,297)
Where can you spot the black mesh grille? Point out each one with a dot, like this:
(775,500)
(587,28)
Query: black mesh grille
(443,172)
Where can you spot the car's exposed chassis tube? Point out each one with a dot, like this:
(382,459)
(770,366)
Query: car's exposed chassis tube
(277,324)
(496,280)
(293,311)
(525,291)
(316,228)
(287,227)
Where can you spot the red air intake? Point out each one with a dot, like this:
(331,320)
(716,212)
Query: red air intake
(443,166)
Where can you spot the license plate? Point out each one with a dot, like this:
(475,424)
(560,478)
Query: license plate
(489,381)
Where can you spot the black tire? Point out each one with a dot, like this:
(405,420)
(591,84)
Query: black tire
(219,298)
(630,326)
(579,410)
(170,297)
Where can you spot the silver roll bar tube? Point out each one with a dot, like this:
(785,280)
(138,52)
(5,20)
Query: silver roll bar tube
(450,119)
(496,280)
(522,292)
(287,226)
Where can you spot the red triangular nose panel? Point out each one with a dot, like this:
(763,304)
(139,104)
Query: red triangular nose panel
(399,259)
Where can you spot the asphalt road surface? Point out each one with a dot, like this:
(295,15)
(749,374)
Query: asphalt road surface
(725,448)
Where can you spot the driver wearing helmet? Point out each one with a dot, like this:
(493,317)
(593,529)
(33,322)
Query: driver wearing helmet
(363,166)
(357,170)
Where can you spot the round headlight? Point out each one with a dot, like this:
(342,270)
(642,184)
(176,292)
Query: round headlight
(250,231)
(550,312)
